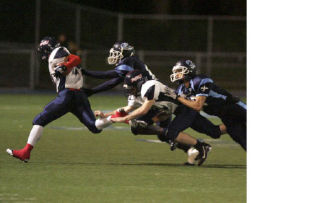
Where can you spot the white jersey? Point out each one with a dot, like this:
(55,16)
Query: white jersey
(153,89)
(73,80)
(134,101)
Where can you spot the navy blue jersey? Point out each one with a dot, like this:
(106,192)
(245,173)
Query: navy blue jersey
(116,76)
(217,97)
(133,63)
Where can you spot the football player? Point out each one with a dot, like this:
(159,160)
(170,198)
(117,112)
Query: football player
(210,98)
(162,117)
(156,96)
(66,74)
(122,55)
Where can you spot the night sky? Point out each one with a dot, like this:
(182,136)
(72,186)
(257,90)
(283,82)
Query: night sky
(196,7)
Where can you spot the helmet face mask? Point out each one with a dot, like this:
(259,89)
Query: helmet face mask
(114,56)
(46,46)
(183,70)
(119,51)
(178,73)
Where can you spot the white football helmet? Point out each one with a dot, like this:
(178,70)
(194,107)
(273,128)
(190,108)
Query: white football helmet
(182,69)
(119,51)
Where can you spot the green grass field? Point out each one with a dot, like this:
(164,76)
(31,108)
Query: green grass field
(70,164)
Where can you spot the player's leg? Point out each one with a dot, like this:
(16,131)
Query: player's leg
(82,109)
(203,125)
(55,109)
(143,125)
(183,120)
(235,118)
(238,132)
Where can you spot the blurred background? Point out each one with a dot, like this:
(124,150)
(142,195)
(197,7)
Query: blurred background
(212,33)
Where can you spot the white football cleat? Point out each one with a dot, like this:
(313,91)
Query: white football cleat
(9,151)
(192,155)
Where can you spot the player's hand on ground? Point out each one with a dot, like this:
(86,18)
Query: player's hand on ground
(118,119)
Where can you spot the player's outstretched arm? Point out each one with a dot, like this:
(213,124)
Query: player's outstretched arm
(104,86)
(120,112)
(101,74)
(136,113)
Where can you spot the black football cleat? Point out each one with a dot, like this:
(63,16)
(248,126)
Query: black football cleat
(203,153)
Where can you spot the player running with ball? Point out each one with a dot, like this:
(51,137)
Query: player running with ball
(67,76)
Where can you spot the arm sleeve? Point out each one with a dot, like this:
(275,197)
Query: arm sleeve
(72,61)
(101,74)
(229,97)
(107,85)
(204,89)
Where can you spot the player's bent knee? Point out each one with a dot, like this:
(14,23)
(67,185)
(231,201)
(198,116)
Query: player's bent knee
(135,130)
(171,134)
(163,138)
(215,132)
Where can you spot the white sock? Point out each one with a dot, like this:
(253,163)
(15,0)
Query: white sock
(35,134)
(103,122)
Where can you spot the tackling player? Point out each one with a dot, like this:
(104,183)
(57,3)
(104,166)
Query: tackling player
(210,98)
(155,94)
(67,76)
(161,115)
(122,55)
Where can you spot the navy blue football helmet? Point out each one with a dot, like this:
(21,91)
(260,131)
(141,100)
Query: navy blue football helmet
(46,46)
(183,70)
(119,51)
(133,82)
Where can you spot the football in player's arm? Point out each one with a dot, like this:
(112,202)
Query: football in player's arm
(65,73)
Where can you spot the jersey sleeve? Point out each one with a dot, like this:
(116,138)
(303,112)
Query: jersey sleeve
(228,96)
(204,87)
(179,90)
(150,93)
(123,69)
(62,52)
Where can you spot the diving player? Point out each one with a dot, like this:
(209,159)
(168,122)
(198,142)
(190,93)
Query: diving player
(122,55)
(210,98)
(67,76)
(155,96)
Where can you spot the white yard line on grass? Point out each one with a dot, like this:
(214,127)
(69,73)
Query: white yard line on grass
(15,198)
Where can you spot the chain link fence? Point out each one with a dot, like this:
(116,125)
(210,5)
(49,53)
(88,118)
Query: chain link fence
(217,44)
